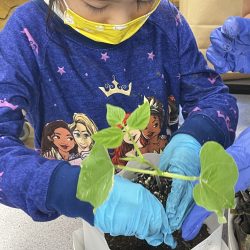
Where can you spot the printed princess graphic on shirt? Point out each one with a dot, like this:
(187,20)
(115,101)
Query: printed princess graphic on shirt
(149,140)
(73,142)
(69,142)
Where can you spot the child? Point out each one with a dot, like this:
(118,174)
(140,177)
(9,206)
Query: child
(85,55)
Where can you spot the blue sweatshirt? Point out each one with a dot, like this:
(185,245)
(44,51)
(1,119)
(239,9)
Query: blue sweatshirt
(63,81)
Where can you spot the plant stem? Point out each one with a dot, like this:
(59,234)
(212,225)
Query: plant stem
(137,159)
(157,172)
(138,151)
(143,160)
(156,169)
(151,165)
(160,173)
(132,158)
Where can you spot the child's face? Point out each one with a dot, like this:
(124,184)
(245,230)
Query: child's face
(111,11)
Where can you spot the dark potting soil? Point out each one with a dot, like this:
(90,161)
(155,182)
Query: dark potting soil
(133,243)
(241,221)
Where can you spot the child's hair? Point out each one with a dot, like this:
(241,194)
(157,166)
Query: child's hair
(51,28)
(52,4)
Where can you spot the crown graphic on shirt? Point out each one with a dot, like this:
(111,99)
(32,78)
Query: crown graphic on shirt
(116,88)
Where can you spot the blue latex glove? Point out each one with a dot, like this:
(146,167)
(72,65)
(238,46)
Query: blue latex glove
(240,151)
(131,210)
(181,156)
(230,46)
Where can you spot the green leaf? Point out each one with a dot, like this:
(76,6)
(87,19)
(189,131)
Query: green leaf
(115,115)
(219,174)
(109,137)
(96,177)
(139,119)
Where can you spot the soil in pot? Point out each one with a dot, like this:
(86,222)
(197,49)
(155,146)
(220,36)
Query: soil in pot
(132,243)
(242,220)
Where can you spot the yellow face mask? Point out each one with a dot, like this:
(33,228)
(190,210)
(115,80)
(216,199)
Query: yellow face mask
(105,33)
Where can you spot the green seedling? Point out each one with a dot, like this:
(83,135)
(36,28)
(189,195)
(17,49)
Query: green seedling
(215,186)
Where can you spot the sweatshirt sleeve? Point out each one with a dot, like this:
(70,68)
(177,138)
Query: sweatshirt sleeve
(210,112)
(28,181)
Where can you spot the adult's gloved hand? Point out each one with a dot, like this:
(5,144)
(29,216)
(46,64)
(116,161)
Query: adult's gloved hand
(230,46)
(181,156)
(131,210)
(240,151)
